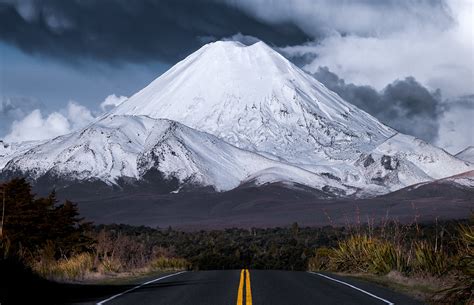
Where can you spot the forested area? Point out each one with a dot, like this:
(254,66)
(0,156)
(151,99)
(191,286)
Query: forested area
(51,240)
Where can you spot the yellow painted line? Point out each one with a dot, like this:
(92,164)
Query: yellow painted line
(248,289)
(240,292)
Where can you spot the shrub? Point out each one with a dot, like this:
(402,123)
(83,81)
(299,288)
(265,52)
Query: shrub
(362,253)
(69,269)
(109,265)
(462,291)
(387,257)
(320,260)
(466,250)
(167,263)
(433,252)
(429,259)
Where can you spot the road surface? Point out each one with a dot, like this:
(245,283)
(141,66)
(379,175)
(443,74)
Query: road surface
(257,287)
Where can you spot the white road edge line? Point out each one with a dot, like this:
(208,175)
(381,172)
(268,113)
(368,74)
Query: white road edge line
(354,287)
(136,287)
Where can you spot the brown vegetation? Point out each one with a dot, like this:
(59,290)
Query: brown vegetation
(407,251)
(52,240)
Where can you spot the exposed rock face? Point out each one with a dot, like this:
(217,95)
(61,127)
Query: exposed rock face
(368,161)
(389,163)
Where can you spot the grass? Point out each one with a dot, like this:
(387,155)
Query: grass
(85,267)
(68,269)
(159,266)
(169,264)
(440,269)
(363,253)
(109,265)
(427,258)
(463,287)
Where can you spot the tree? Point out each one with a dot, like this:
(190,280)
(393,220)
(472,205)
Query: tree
(31,223)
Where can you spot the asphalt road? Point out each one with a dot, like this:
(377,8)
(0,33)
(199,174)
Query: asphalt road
(257,287)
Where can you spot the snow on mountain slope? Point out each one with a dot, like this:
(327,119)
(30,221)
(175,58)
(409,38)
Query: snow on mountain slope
(185,153)
(434,161)
(104,150)
(254,98)
(229,114)
(130,146)
(467,154)
(10,150)
(465,179)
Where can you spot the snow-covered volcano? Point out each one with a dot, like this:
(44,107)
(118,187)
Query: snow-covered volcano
(255,99)
(231,114)
(130,146)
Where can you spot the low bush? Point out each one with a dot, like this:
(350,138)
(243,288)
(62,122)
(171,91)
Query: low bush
(320,260)
(169,263)
(108,265)
(427,258)
(74,268)
(363,253)
(463,287)
(446,253)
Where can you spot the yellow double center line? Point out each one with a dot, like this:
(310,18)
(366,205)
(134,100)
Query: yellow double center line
(244,276)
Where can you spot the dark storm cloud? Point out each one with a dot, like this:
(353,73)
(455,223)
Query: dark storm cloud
(404,104)
(138,31)
(360,17)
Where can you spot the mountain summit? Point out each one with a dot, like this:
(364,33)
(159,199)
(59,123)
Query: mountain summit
(231,115)
(255,99)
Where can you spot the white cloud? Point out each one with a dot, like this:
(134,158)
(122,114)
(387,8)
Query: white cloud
(78,115)
(437,49)
(39,126)
(456,130)
(111,102)
(35,126)
(364,18)
(438,58)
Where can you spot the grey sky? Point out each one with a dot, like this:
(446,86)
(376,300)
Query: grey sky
(50,84)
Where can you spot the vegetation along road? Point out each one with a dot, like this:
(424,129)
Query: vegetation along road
(257,287)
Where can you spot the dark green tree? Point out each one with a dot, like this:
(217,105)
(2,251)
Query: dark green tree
(30,223)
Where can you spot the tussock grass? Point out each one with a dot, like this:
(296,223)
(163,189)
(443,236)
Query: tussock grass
(463,287)
(109,265)
(448,256)
(363,253)
(84,265)
(69,269)
(427,258)
(163,263)
(320,260)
